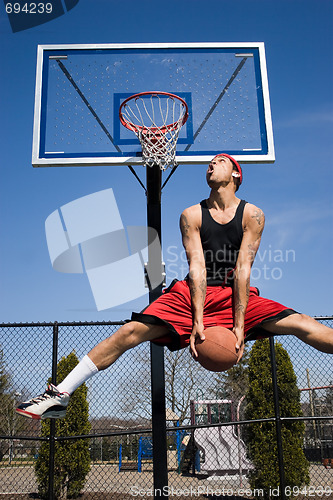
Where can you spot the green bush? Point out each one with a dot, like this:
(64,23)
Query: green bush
(72,458)
(261,437)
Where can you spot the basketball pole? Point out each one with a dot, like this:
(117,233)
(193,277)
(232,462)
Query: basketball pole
(160,466)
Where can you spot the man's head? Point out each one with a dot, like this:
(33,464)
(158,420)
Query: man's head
(228,161)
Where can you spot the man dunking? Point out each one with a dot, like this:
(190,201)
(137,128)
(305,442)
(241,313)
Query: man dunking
(221,236)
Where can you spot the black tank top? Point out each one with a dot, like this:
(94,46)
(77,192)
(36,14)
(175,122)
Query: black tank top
(221,244)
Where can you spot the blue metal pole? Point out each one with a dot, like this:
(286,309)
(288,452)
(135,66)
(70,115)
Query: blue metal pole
(140,455)
(120,457)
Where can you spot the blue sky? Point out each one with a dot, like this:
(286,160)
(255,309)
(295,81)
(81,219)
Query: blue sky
(294,265)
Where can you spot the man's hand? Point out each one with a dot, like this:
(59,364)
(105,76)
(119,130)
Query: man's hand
(239,334)
(197,332)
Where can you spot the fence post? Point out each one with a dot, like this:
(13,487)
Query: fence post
(277,420)
(52,421)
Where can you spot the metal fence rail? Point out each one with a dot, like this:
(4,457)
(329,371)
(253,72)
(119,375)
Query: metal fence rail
(206,432)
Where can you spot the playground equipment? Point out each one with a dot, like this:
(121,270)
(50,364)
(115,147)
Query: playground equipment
(145,453)
(215,451)
(145,450)
(221,450)
(145,447)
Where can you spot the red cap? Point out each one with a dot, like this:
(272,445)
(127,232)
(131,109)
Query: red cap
(237,165)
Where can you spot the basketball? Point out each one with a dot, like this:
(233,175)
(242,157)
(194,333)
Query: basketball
(217,353)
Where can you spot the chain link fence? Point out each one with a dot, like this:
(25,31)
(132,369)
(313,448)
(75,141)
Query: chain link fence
(208,428)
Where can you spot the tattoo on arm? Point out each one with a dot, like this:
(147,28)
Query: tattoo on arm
(247,288)
(184,225)
(238,302)
(252,251)
(239,308)
(252,248)
(259,217)
(194,288)
(203,286)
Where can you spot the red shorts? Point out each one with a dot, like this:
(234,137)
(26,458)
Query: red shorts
(173,310)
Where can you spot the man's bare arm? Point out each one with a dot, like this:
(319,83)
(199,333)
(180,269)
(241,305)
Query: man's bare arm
(190,228)
(254,226)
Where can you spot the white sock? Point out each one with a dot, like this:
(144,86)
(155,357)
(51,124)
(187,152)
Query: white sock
(81,373)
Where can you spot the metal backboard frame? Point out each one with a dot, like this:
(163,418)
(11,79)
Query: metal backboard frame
(217,92)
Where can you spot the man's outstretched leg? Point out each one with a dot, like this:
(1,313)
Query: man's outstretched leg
(54,401)
(305,328)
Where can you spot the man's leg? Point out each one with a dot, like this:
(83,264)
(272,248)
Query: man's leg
(53,403)
(128,336)
(108,351)
(305,328)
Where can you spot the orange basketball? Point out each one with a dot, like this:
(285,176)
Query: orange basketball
(217,353)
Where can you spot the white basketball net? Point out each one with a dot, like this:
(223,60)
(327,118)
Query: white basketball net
(156,119)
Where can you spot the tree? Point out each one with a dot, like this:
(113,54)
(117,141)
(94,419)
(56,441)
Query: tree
(181,380)
(11,424)
(261,437)
(4,376)
(323,407)
(72,458)
(329,398)
(327,427)
(184,379)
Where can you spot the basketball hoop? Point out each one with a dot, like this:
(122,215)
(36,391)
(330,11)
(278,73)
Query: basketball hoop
(156,118)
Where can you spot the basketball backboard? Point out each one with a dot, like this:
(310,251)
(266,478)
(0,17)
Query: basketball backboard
(79,89)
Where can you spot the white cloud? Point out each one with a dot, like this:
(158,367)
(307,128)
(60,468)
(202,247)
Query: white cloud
(298,223)
(307,118)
